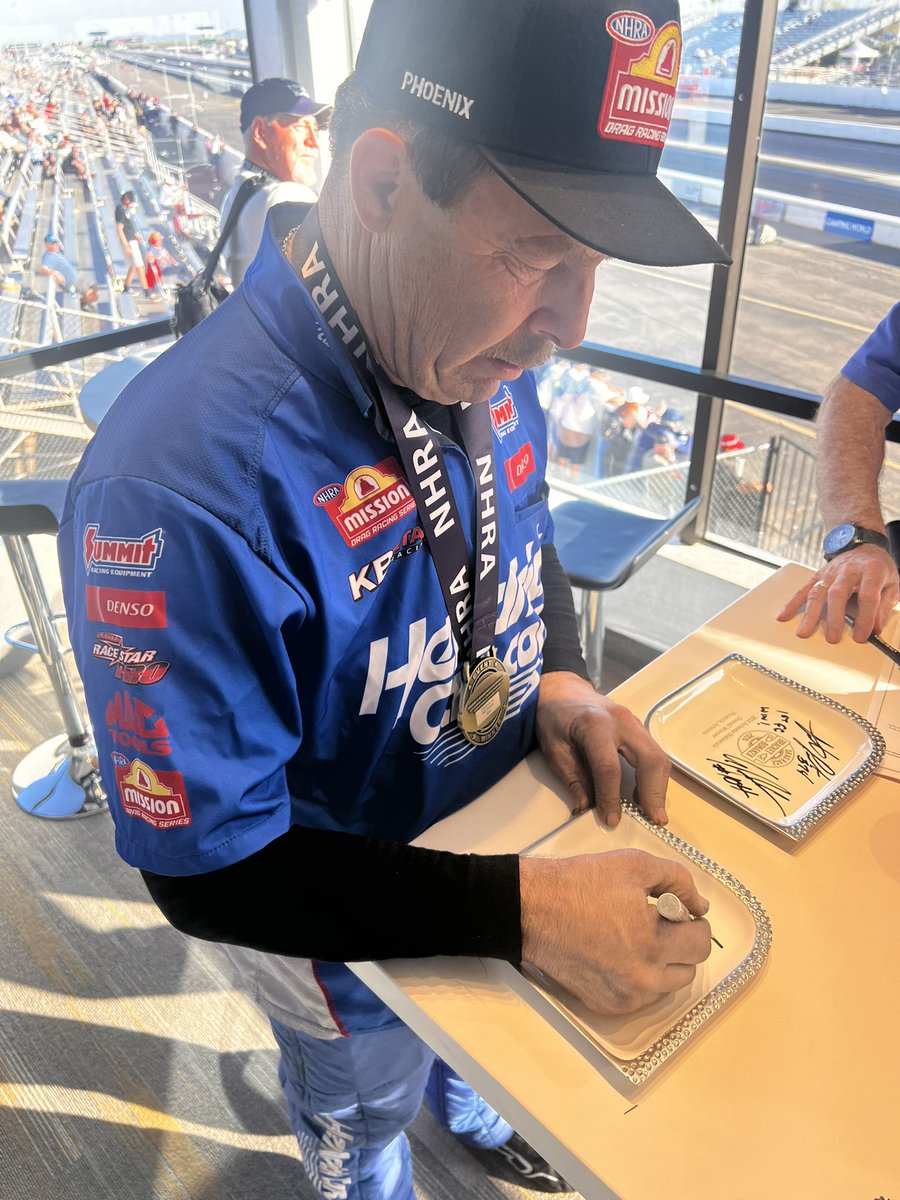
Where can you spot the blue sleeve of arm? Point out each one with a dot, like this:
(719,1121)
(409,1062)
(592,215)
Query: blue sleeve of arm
(182,636)
(876,364)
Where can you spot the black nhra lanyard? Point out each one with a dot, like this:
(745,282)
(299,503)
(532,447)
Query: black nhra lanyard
(472,608)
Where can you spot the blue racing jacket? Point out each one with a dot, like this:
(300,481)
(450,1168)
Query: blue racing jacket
(252,605)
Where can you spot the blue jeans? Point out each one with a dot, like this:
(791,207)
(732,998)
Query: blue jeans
(350,1099)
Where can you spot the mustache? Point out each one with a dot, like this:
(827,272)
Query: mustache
(524,352)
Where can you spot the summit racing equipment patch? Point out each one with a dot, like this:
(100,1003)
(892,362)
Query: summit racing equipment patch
(109,555)
(157,797)
(640,87)
(371,499)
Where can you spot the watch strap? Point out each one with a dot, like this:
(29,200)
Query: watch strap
(861,537)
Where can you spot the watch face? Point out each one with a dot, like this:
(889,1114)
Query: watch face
(839,537)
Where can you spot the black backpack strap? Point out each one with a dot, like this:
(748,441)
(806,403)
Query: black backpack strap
(247,189)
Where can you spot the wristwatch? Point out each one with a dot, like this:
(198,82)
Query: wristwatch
(848,537)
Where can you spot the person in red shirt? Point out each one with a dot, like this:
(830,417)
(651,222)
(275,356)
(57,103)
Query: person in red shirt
(156,259)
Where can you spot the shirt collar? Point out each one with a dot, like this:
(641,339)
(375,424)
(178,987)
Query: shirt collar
(285,310)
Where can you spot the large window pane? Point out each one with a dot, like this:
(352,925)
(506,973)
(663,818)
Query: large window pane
(823,265)
(618,439)
(145,106)
(662,311)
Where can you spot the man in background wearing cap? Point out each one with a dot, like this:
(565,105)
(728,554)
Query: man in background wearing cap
(349,573)
(280,123)
(55,264)
(130,237)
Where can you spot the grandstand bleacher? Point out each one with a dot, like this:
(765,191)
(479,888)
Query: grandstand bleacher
(801,36)
(42,432)
(119,156)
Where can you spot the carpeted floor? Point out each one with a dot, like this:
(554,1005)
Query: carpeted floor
(128,1068)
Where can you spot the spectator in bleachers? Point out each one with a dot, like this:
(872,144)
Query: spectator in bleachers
(156,260)
(622,431)
(49,165)
(661,453)
(130,238)
(74,164)
(55,264)
(216,149)
(280,122)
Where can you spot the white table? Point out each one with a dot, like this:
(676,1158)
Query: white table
(793,1090)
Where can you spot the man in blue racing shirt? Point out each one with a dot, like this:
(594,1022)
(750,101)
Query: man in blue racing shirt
(310,576)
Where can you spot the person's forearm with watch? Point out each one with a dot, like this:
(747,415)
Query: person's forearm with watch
(858,570)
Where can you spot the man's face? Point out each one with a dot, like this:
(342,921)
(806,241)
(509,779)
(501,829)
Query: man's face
(292,147)
(470,296)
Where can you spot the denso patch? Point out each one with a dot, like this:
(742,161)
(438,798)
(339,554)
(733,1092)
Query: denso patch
(157,797)
(519,466)
(640,87)
(371,499)
(125,608)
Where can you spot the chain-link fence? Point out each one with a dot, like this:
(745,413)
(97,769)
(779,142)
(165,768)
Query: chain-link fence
(763,497)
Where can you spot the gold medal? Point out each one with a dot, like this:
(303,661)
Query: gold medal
(484,699)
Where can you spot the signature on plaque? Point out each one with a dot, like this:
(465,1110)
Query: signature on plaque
(771,758)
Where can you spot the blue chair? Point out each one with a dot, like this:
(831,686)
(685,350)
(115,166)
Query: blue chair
(59,779)
(600,546)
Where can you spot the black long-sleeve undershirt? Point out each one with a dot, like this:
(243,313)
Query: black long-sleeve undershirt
(340,897)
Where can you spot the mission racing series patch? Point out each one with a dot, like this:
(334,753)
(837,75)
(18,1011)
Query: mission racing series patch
(370,499)
(640,86)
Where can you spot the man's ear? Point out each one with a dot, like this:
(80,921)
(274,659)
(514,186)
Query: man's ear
(377,163)
(259,133)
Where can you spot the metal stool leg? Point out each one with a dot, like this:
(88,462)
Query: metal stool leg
(590,618)
(59,779)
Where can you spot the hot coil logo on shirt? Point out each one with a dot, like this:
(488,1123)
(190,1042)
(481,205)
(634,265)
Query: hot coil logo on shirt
(371,499)
(122,556)
(640,88)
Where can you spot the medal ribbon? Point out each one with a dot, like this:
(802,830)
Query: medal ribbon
(472,608)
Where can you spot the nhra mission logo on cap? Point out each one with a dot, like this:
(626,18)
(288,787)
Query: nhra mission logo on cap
(640,86)
(371,499)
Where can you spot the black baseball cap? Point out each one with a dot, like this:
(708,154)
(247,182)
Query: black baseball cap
(568,101)
(271,97)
